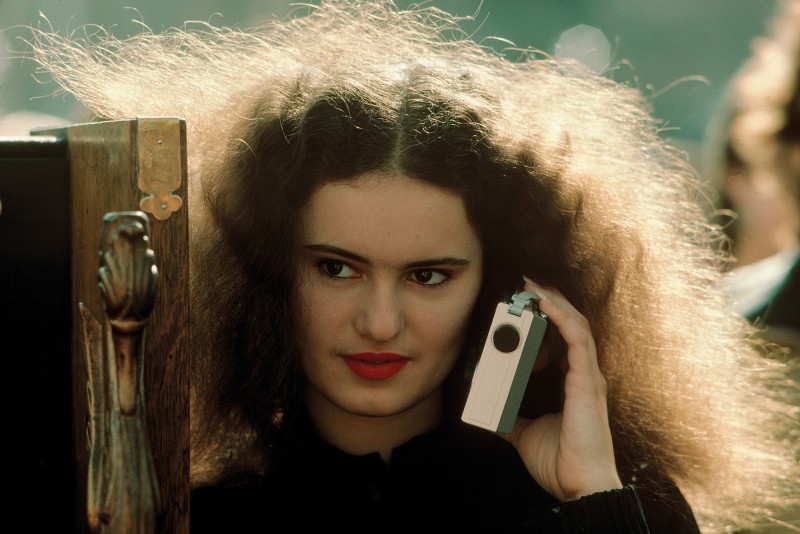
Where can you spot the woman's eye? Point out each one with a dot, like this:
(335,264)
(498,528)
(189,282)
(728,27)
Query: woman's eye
(337,269)
(429,277)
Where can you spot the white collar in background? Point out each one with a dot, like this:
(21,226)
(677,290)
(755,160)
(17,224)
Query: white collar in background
(752,286)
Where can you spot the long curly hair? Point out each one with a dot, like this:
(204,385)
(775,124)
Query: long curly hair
(564,177)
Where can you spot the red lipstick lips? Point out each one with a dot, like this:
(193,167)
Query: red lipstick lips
(375,366)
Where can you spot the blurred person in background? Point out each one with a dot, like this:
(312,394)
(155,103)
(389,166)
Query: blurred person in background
(754,162)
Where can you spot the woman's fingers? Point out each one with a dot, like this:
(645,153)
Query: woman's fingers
(572,453)
(571,324)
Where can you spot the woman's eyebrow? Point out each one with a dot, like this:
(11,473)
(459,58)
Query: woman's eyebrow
(433,262)
(331,249)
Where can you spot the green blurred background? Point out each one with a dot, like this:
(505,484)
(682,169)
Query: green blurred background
(681,53)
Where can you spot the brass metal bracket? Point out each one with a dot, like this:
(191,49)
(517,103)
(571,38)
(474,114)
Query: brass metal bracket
(159,164)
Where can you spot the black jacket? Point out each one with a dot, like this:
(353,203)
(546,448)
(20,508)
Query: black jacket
(455,479)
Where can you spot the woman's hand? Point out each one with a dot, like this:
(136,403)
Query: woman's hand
(570,454)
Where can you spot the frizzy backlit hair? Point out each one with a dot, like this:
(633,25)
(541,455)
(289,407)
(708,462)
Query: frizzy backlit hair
(563,175)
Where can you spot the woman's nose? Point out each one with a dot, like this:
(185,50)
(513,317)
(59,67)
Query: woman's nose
(381,317)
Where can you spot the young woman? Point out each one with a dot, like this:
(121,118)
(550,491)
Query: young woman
(367,185)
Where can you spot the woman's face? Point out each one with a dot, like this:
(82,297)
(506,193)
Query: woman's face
(391,271)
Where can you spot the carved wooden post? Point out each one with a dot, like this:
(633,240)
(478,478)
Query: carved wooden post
(119,166)
(123,493)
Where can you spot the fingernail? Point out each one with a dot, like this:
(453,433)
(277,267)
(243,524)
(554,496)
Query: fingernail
(536,289)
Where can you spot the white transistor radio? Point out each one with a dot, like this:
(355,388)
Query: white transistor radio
(505,365)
